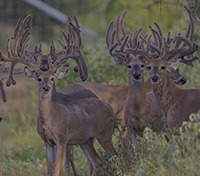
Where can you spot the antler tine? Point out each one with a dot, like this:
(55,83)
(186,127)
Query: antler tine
(189,61)
(52,48)
(18,26)
(190,30)
(186,41)
(124,42)
(38,50)
(159,43)
(74,29)
(160,36)
(134,38)
(169,39)
(159,30)
(120,28)
(109,33)
(52,52)
(155,36)
(3,92)
(110,39)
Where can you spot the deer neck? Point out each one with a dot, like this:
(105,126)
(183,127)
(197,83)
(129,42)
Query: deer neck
(137,92)
(166,93)
(45,105)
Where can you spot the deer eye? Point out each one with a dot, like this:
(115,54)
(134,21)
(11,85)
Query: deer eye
(142,65)
(39,79)
(52,79)
(162,67)
(148,67)
(129,66)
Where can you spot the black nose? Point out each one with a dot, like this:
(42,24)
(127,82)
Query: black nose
(182,81)
(46,88)
(154,78)
(136,76)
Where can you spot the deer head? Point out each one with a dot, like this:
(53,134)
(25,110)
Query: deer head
(46,79)
(119,45)
(37,62)
(167,53)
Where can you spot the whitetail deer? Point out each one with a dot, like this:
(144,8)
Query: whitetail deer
(176,103)
(62,122)
(25,30)
(141,108)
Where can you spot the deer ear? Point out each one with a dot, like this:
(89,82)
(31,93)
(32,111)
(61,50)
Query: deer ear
(30,73)
(61,71)
(175,63)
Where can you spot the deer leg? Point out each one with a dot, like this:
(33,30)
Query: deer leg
(50,158)
(58,159)
(108,147)
(73,164)
(133,136)
(67,159)
(70,160)
(94,161)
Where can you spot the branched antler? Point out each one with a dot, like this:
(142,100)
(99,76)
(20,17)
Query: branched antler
(70,49)
(16,47)
(183,45)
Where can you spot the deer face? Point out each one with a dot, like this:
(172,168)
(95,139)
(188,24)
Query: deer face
(46,79)
(135,67)
(159,69)
(46,83)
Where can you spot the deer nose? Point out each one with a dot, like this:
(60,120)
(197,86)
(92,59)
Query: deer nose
(181,81)
(136,76)
(46,88)
(155,78)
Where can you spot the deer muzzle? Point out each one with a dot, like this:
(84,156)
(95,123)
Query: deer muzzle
(136,76)
(155,78)
(46,88)
(181,81)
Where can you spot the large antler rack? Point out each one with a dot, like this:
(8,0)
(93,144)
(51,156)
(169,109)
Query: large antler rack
(16,47)
(120,47)
(70,49)
(175,48)
(17,50)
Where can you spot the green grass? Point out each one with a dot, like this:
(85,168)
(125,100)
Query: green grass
(22,151)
